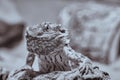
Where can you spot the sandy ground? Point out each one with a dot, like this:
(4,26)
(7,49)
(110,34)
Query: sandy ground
(37,11)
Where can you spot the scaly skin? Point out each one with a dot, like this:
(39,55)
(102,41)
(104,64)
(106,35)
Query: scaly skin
(51,44)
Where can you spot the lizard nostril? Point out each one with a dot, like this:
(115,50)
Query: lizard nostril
(66,44)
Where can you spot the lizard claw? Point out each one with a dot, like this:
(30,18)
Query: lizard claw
(86,69)
(106,76)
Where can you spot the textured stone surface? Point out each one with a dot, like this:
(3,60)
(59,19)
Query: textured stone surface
(71,76)
(94,28)
(11,24)
(10,34)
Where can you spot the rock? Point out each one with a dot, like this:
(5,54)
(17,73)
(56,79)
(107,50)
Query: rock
(99,75)
(11,25)
(60,75)
(95,29)
(10,34)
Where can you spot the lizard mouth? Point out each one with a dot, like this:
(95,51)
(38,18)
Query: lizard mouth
(48,36)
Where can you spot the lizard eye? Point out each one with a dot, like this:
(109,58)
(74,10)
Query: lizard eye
(47,27)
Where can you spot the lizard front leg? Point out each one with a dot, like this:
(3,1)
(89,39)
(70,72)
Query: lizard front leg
(30,59)
(85,64)
(26,72)
(28,65)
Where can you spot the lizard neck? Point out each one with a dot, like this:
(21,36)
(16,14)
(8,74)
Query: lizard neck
(58,49)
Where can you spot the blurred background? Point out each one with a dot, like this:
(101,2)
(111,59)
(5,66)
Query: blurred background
(94,26)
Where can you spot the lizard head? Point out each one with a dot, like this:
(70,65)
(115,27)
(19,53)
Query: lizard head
(47,33)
